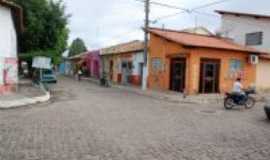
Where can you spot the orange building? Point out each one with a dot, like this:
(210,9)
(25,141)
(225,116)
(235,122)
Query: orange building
(123,63)
(192,63)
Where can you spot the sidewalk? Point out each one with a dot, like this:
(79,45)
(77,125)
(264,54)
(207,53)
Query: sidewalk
(176,97)
(179,97)
(26,94)
(193,99)
(168,95)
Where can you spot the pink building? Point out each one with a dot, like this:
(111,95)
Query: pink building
(92,62)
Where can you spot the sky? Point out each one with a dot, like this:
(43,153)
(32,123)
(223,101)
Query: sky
(102,23)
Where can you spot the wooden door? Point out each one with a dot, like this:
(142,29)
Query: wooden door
(209,76)
(178,74)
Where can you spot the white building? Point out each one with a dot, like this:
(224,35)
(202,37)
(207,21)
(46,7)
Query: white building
(247,29)
(10,25)
(252,30)
(198,30)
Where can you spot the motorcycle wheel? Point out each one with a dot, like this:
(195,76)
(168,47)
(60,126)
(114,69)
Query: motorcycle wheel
(250,103)
(229,103)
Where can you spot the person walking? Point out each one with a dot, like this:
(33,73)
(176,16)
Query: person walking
(79,74)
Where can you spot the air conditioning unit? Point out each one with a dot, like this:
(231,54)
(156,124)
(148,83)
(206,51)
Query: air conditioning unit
(253,59)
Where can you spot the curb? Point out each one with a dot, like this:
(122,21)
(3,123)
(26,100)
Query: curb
(26,101)
(91,80)
(174,98)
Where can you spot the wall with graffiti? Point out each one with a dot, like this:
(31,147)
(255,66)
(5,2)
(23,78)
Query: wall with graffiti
(8,50)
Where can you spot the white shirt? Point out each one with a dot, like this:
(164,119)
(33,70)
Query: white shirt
(237,87)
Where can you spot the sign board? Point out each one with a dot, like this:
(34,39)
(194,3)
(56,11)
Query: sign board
(42,63)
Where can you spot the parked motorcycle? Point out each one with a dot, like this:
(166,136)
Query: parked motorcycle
(267,111)
(104,81)
(234,99)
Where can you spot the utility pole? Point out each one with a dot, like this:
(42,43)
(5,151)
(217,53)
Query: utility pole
(146,27)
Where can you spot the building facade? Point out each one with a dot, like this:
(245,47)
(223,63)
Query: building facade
(93,63)
(251,30)
(198,30)
(10,26)
(193,63)
(246,29)
(123,63)
(89,62)
(263,70)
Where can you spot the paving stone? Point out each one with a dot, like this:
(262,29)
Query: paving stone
(86,122)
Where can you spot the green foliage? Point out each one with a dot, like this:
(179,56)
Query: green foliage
(46,28)
(48,53)
(77,47)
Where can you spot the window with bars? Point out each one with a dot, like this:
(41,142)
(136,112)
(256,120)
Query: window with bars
(236,65)
(255,38)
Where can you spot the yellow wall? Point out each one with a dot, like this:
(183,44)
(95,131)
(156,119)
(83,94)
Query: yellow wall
(263,75)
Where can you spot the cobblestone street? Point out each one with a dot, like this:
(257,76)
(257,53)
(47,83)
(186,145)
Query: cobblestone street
(86,122)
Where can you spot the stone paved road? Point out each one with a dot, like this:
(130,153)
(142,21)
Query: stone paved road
(86,122)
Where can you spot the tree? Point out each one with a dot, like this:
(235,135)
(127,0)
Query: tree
(77,47)
(46,29)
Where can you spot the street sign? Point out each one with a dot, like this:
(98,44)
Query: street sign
(42,63)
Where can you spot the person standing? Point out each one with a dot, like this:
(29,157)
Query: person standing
(79,74)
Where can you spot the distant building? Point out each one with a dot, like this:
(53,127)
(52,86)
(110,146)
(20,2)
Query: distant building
(247,29)
(10,27)
(93,63)
(123,63)
(198,30)
(89,62)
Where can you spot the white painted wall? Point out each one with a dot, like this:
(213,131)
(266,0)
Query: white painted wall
(236,27)
(8,41)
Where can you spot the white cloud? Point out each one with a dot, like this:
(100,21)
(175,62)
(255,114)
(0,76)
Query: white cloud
(107,22)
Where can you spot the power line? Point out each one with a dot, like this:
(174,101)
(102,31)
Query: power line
(184,10)
(164,5)
(210,15)
(167,16)
(209,4)
(123,33)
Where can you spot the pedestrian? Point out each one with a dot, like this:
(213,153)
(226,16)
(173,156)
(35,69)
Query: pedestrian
(79,74)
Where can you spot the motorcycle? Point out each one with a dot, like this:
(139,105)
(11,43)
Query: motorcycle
(104,81)
(234,99)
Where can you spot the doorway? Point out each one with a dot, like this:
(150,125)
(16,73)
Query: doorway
(141,66)
(111,69)
(126,72)
(209,75)
(178,74)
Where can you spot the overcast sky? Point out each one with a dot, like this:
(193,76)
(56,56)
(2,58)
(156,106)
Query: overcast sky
(102,23)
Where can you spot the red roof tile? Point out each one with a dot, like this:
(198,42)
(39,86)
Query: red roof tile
(195,40)
(123,48)
(265,56)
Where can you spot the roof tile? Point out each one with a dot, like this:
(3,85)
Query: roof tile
(195,40)
(123,48)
